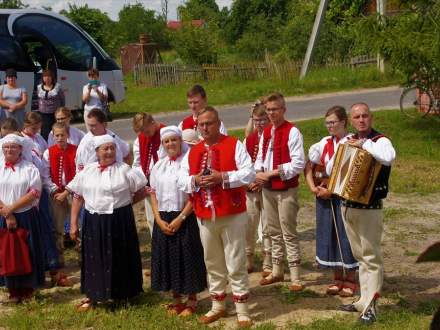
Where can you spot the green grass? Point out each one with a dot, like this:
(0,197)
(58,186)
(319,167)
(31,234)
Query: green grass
(172,98)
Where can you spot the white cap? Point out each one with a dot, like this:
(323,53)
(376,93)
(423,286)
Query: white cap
(103,139)
(169,131)
(190,136)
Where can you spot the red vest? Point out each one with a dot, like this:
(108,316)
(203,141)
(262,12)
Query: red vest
(148,147)
(226,201)
(189,123)
(281,154)
(62,161)
(252,142)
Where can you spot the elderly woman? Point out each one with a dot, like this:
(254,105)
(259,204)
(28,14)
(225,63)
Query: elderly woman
(20,187)
(177,263)
(111,262)
(331,238)
(50,97)
(13,99)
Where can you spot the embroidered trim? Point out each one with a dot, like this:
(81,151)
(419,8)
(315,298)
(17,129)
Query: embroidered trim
(35,192)
(218,297)
(240,299)
(281,172)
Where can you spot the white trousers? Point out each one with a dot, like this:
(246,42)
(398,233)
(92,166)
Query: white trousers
(224,243)
(149,214)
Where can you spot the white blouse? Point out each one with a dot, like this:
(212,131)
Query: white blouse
(163,179)
(86,153)
(39,144)
(104,191)
(17,182)
(75,137)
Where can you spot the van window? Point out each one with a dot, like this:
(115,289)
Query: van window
(72,50)
(13,56)
(4,25)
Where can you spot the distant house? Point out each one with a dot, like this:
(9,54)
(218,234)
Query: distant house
(177,25)
(392,7)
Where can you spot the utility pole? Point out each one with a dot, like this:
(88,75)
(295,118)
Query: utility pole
(381,9)
(314,37)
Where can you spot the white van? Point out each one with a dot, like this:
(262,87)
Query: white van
(32,40)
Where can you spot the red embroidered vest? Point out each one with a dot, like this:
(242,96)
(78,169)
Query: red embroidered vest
(252,142)
(62,161)
(148,147)
(189,123)
(281,154)
(226,201)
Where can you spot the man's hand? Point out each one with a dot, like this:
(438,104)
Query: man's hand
(356,143)
(262,178)
(210,180)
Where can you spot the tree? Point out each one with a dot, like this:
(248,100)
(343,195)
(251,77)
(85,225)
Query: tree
(12,4)
(96,23)
(135,20)
(198,9)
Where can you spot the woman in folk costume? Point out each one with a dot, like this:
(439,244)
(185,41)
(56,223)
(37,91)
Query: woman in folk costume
(64,115)
(177,263)
(331,238)
(20,188)
(111,263)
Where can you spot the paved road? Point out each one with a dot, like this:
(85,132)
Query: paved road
(298,108)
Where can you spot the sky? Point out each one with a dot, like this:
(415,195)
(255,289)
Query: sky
(112,7)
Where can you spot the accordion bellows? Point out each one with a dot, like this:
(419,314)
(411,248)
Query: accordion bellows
(354,174)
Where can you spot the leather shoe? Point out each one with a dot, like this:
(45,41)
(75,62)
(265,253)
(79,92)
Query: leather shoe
(296,287)
(265,273)
(244,324)
(348,308)
(214,317)
(270,280)
(368,318)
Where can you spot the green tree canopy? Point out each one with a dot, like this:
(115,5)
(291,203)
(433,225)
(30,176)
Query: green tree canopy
(198,9)
(12,4)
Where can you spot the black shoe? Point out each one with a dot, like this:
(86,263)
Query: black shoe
(348,308)
(368,318)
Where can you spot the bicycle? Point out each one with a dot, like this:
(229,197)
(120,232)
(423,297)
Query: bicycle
(419,100)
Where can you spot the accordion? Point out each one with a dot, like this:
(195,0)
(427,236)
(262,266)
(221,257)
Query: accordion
(354,174)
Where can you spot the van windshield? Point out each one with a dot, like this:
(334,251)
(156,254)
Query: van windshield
(72,50)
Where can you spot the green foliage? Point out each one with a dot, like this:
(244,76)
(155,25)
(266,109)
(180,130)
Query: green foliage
(198,9)
(12,4)
(135,20)
(96,23)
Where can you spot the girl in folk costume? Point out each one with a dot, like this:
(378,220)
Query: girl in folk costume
(59,161)
(331,238)
(147,150)
(254,199)
(20,187)
(64,115)
(31,129)
(110,257)
(177,263)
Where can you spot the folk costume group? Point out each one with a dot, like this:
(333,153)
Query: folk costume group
(207,196)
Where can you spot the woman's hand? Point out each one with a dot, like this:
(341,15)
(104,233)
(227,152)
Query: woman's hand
(175,224)
(5,211)
(11,222)
(11,108)
(74,231)
(60,197)
(165,227)
(324,193)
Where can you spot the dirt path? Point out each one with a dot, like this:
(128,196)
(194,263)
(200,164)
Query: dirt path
(411,224)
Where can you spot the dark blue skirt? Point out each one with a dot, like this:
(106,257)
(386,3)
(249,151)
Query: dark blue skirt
(28,220)
(327,249)
(177,262)
(111,260)
(48,234)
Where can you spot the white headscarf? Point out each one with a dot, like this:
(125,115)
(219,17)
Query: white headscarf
(103,139)
(26,145)
(173,131)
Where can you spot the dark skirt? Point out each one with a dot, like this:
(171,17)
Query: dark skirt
(327,249)
(29,221)
(177,262)
(111,261)
(47,229)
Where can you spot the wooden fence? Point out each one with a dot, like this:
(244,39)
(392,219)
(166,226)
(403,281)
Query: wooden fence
(156,75)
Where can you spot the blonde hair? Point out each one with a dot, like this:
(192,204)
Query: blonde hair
(65,111)
(140,119)
(32,118)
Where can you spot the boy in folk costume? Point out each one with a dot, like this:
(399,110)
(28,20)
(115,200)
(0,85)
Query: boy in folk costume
(364,223)
(279,162)
(146,152)
(59,161)
(254,198)
(197,101)
(216,172)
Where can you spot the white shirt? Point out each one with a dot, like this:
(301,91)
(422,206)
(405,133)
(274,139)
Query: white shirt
(223,129)
(163,179)
(137,155)
(86,153)
(382,150)
(244,175)
(296,152)
(316,150)
(39,143)
(75,137)
(104,191)
(94,100)
(16,184)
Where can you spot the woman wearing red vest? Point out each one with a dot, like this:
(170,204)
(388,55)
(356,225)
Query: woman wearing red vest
(59,160)
(279,162)
(328,209)
(216,172)
(254,198)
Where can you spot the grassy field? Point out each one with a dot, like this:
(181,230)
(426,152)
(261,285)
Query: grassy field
(416,170)
(172,98)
